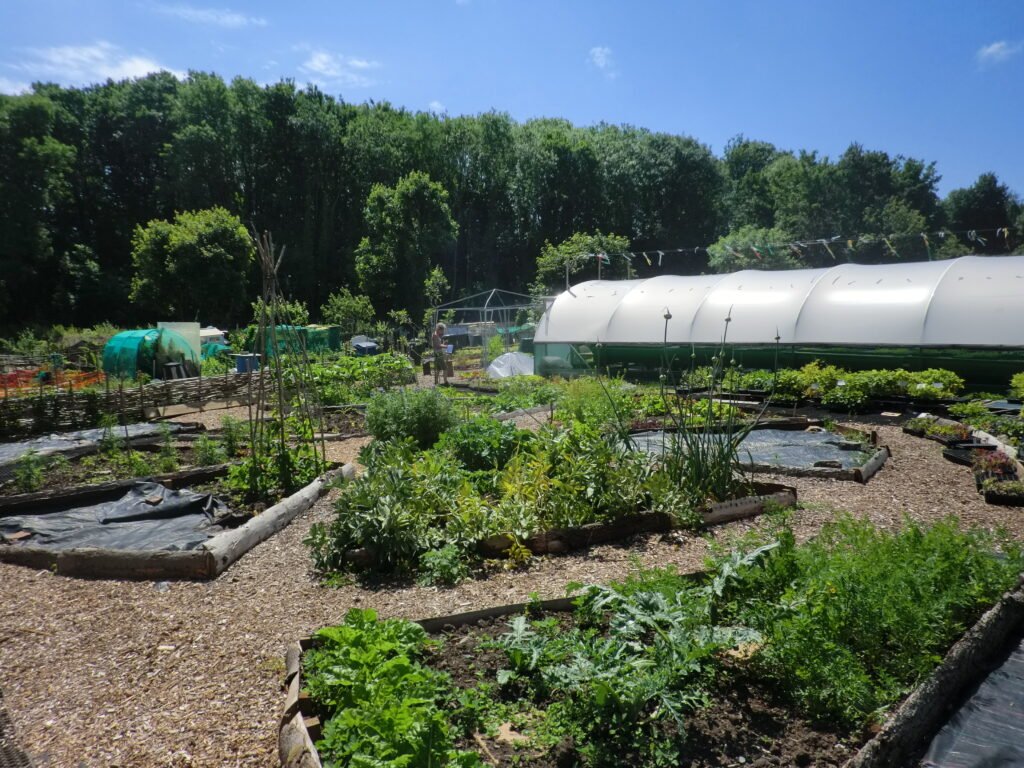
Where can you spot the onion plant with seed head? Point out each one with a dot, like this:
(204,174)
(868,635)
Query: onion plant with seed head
(701,455)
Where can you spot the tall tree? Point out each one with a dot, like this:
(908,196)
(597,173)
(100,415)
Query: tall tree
(193,268)
(748,198)
(581,255)
(410,227)
(33,179)
(983,207)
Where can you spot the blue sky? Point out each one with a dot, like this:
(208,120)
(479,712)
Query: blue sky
(933,79)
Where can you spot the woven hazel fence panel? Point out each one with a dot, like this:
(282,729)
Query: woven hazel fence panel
(53,410)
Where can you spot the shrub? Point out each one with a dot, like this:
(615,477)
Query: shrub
(1017,385)
(484,443)
(421,414)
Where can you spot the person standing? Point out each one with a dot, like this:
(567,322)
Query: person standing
(440,350)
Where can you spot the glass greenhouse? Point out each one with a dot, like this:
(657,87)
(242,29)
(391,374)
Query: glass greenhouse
(964,314)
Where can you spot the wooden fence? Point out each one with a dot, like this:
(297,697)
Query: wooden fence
(53,409)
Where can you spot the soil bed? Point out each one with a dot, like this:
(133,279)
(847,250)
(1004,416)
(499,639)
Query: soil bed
(745,723)
(343,422)
(98,468)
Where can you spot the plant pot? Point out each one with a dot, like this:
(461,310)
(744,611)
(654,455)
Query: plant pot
(1004,499)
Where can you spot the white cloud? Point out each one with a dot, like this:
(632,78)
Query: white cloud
(12,86)
(437,107)
(220,17)
(600,56)
(83,64)
(997,52)
(336,70)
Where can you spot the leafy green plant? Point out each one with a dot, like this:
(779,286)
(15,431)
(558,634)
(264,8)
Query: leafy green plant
(521,392)
(381,706)
(167,459)
(233,435)
(208,452)
(421,414)
(111,441)
(1004,487)
(444,567)
(278,468)
(484,443)
(934,384)
(28,472)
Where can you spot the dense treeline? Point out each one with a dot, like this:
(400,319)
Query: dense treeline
(82,168)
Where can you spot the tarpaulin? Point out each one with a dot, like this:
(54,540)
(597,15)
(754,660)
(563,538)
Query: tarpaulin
(781,447)
(149,516)
(987,731)
(62,442)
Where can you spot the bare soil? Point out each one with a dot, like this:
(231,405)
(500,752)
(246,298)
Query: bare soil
(113,673)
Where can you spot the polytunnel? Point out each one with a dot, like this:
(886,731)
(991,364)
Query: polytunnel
(965,314)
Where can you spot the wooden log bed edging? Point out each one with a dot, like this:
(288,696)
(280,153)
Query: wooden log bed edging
(207,561)
(860,474)
(908,729)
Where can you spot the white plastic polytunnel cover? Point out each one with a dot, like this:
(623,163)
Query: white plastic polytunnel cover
(970,301)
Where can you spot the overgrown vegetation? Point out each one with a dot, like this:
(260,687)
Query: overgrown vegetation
(840,628)
(421,414)
(507,482)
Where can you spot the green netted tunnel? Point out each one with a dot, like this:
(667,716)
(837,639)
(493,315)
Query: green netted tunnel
(323,338)
(147,351)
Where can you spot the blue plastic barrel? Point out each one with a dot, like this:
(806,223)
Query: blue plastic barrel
(247,363)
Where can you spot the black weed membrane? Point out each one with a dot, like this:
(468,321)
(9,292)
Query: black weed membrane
(147,517)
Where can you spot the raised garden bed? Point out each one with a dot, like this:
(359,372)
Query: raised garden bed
(847,454)
(205,561)
(746,722)
(562,540)
(342,422)
(1005,493)
(58,472)
(743,717)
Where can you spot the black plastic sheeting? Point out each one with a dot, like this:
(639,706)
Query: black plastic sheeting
(147,517)
(62,442)
(781,447)
(988,729)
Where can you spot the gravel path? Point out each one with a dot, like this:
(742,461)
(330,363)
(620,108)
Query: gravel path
(108,673)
